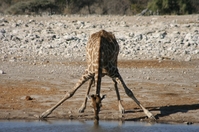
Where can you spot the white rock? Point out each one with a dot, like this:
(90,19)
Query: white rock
(131,34)
(2,72)
(188,58)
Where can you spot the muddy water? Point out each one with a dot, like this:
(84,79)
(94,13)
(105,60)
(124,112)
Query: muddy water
(89,126)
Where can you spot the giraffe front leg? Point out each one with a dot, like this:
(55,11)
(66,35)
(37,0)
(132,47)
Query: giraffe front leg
(83,106)
(68,95)
(120,106)
(131,95)
(49,111)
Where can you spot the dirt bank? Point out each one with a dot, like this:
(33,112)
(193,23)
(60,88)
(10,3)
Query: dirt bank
(169,89)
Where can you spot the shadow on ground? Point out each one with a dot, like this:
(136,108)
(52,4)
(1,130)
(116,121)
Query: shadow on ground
(165,110)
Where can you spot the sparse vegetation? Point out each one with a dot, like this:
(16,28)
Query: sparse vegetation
(171,6)
(32,7)
(127,7)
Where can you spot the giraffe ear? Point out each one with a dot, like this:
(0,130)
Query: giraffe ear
(103,97)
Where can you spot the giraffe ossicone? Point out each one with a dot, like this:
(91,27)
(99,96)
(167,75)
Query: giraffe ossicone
(102,53)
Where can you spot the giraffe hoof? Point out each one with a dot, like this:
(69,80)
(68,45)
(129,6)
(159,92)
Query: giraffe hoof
(44,115)
(149,114)
(152,117)
(122,111)
(81,110)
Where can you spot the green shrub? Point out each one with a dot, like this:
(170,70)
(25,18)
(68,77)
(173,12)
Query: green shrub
(179,7)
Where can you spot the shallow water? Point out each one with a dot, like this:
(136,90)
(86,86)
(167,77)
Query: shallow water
(89,126)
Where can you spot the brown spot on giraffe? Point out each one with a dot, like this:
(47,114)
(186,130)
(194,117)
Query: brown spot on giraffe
(102,53)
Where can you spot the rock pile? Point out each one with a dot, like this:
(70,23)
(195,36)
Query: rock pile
(26,37)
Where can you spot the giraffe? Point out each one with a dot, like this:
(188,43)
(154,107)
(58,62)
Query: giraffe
(102,52)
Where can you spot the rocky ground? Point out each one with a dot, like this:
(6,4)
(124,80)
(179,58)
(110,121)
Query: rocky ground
(154,37)
(43,57)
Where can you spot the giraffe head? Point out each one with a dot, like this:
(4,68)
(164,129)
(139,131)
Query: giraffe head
(96,104)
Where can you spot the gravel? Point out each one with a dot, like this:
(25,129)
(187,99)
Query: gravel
(33,38)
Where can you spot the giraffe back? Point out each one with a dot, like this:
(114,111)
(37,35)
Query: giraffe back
(102,51)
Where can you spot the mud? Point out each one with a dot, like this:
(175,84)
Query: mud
(169,89)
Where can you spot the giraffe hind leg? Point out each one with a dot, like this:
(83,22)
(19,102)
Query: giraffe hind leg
(68,95)
(121,108)
(83,106)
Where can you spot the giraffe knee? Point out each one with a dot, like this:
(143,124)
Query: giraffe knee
(68,94)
